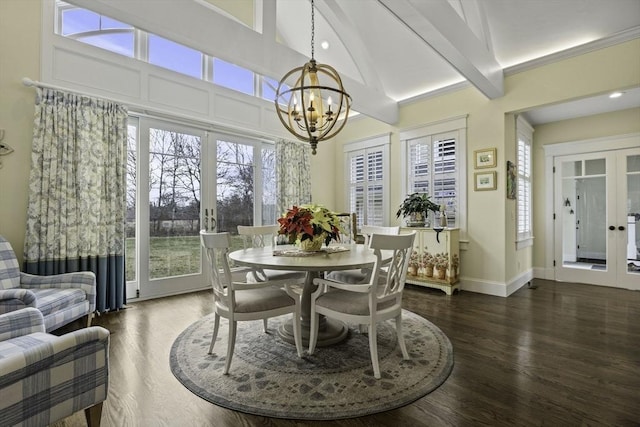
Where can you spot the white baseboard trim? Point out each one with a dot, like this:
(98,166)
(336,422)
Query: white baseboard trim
(544,273)
(483,286)
(498,289)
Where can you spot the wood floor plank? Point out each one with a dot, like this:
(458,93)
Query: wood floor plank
(562,354)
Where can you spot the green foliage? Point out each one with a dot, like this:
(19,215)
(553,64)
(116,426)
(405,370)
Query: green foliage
(416,203)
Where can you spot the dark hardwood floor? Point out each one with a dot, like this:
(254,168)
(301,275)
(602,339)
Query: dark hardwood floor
(561,354)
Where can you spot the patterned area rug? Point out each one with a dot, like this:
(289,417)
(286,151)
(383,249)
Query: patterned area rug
(267,378)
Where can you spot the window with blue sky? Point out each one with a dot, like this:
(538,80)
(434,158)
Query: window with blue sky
(101,31)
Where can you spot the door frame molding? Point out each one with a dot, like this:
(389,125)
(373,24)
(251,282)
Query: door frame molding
(594,145)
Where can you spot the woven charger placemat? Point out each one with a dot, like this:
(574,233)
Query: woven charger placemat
(300,253)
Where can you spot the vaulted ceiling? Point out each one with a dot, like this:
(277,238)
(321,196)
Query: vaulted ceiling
(390,51)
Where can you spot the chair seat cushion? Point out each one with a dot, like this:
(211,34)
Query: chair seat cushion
(349,276)
(51,300)
(349,302)
(268,298)
(276,275)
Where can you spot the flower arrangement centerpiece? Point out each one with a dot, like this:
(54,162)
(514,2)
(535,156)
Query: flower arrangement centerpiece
(309,226)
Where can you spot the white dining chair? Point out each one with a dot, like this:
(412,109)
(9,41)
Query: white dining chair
(259,236)
(368,304)
(241,301)
(362,275)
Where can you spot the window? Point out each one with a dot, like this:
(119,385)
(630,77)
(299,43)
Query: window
(96,30)
(434,161)
(367,172)
(176,57)
(524,133)
(101,31)
(233,77)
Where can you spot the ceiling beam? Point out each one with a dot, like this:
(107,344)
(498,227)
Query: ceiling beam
(199,27)
(438,24)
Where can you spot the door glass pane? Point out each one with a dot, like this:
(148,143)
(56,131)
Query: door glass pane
(130,226)
(269,214)
(572,169)
(174,203)
(234,202)
(633,214)
(595,167)
(583,216)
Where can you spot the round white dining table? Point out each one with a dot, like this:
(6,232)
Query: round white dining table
(356,256)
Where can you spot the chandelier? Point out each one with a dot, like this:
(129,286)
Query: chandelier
(313,106)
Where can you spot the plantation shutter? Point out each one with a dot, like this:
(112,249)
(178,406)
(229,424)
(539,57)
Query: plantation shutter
(356,184)
(432,170)
(374,188)
(366,173)
(419,165)
(524,188)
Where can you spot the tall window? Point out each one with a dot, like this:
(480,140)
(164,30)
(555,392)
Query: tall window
(525,134)
(434,161)
(367,172)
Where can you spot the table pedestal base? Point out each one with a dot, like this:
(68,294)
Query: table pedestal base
(329,332)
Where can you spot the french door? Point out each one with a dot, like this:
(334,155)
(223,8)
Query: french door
(182,179)
(597,214)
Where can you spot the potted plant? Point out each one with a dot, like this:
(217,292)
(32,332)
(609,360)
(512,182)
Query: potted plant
(415,206)
(309,226)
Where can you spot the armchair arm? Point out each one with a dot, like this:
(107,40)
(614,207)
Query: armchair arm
(15,299)
(85,280)
(21,322)
(76,345)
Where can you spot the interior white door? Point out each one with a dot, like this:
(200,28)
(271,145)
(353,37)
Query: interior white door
(627,224)
(596,199)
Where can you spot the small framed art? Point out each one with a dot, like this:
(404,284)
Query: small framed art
(511,180)
(485,181)
(485,158)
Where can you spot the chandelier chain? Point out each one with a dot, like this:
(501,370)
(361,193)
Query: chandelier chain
(313,30)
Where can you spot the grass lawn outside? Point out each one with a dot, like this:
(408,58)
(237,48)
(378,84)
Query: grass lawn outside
(171,256)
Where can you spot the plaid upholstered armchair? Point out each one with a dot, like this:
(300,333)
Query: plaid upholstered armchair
(61,298)
(44,377)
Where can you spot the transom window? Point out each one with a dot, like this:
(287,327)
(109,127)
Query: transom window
(101,31)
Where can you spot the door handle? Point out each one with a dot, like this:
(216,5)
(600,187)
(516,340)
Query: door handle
(611,227)
(621,228)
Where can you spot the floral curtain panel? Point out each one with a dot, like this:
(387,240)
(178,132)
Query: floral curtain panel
(293,180)
(77,191)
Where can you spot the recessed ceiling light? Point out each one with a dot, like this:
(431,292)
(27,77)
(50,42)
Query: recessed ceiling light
(325,44)
(616,95)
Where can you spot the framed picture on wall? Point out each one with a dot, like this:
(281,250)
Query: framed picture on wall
(485,158)
(485,181)
(511,180)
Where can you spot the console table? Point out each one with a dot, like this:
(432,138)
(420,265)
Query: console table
(435,260)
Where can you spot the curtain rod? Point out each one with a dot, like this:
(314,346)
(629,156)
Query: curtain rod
(142,111)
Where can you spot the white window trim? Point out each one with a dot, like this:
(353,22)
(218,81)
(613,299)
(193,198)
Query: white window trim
(525,131)
(455,124)
(383,141)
